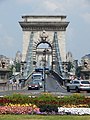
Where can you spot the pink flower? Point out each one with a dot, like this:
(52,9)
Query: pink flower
(18,110)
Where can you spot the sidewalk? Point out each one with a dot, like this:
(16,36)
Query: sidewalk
(10,87)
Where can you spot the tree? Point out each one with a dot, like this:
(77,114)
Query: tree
(11,70)
(78,71)
(69,66)
(17,66)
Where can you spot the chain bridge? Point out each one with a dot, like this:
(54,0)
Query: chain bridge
(44,43)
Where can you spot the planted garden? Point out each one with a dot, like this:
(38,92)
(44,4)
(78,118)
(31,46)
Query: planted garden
(45,103)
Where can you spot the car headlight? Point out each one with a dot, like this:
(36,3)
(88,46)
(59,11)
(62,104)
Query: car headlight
(40,83)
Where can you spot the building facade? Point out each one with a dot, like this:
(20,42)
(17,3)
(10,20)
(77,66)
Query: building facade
(85,61)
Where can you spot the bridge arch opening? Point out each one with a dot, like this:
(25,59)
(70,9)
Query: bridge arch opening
(44,55)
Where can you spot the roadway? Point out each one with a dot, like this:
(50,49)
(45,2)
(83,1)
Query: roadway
(51,86)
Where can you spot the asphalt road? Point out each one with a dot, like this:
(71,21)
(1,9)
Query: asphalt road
(51,85)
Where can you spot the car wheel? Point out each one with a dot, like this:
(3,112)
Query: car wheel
(88,91)
(38,88)
(77,90)
(28,88)
(68,89)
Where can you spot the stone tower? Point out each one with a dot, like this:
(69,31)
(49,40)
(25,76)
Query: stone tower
(41,29)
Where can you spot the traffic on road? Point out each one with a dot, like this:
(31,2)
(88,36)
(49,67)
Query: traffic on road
(43,82)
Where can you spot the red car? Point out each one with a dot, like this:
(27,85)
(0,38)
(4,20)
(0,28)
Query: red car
(33,85)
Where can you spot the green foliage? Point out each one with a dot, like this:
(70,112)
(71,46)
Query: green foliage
(78,71)
(46,100)
(44,117)
(69,66)
(17,67)
(48,108)
(11,70)
(73,99)
(18,98)
(4,101)
(46,97)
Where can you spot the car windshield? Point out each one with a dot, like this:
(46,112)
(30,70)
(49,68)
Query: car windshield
(85,82)
(37,76)
(33,82)
(38,81)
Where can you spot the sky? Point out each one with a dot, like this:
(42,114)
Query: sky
(77,33)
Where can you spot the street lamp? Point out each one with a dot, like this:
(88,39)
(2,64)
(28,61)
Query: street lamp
(44,53)
(23,67)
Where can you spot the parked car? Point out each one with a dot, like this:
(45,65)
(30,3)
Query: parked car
(33,85)
(78,85)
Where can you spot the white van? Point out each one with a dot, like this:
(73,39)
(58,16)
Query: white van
(37,77)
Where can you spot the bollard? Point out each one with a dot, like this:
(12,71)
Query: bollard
(16,86)
(3,87)
(12,86)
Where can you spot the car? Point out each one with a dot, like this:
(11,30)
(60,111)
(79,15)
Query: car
(37,76)
(78,85)
(33,85)
(39,82)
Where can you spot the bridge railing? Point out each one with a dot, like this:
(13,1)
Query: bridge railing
(23,80)
(28,78)
(60,79)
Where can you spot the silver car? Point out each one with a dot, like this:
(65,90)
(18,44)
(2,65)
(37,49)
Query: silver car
(78,85)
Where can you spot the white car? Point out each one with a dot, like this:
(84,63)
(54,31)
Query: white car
(37,76)
(78,85)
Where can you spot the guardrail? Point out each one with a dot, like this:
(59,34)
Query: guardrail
(27,79)
(60,79)
(3,85)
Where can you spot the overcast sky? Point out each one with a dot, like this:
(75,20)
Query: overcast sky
(77,12)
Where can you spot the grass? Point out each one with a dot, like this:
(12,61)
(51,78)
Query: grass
(44,117)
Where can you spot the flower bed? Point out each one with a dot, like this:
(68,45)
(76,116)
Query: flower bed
(45,103)
(19,109)
(74,111)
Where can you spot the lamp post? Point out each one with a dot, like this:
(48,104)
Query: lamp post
(44,53)
(43,37)
(23,67)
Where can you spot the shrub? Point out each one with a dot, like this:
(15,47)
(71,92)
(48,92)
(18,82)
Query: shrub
(46,99)
(4,101)
(72,99)
(18,98)
(48,108)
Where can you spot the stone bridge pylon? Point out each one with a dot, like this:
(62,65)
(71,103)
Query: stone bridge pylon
(44,30)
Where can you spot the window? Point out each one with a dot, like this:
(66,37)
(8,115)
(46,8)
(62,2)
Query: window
(76,82)
(85,82)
